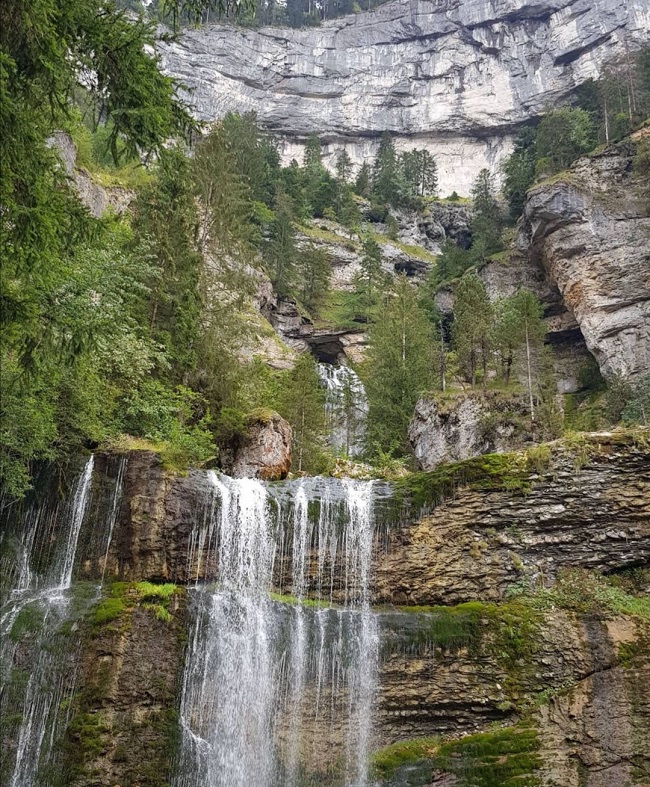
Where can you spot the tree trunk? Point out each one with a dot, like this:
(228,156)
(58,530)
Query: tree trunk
(530,378)
(443,366)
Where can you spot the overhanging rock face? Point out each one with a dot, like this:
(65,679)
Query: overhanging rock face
(454,76)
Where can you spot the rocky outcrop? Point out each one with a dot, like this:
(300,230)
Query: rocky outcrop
(589,230)
(456,77)
(456,427)
(265,451)
(586,506)
(97,199)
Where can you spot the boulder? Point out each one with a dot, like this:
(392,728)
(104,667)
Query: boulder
(265,452)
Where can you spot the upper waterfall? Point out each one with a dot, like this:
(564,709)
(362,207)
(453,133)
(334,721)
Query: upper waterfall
(346,407)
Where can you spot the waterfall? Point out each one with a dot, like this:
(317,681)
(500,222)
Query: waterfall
(38,675)
(346,407)
(278,690)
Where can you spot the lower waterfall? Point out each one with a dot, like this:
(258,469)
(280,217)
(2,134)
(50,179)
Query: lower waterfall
(278,691)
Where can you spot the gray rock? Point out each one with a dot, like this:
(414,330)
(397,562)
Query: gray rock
(265,452)
(589,229)
(454,76)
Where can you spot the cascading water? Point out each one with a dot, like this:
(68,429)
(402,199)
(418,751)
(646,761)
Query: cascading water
(346,407)
(38,625)
(41,601)
(278,691)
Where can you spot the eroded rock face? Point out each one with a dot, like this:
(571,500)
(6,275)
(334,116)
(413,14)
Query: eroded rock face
(452,76)
(589,229)
(480,542)
(265,451)
(466,425)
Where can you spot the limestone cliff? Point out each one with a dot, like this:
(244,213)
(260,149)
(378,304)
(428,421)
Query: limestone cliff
(589,230)
(455,76)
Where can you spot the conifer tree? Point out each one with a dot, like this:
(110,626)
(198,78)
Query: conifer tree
(302,403)
(385,172)
(314,271)
(400,366)
(370,281)
(486,222)
(472,325)
(343,166)
(362,184)
(281,250)
(528,333)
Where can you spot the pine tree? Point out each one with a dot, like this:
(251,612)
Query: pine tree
(343,166)
(281,250)
(528,333)
(371,279)
(472,325)
(519,171)
(400,366)
(313,153)
(302,403)
(486,222)
(386,185)
(362,184)
(314,271)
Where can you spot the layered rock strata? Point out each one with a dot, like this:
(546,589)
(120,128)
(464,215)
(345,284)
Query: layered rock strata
(589,230)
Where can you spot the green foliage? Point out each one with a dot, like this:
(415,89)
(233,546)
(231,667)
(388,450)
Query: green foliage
(281,251)
(28,621)
(302,403)
(419,173)
(472,325)
(386,177)
(423,491)
(400,365)
(637,408)
(108,610)
(585,592)
(314,271)
(386,761)
(519,171)
(486,223)
(563,136)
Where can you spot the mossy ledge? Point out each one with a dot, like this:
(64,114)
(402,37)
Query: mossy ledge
(506,757)
(513,472)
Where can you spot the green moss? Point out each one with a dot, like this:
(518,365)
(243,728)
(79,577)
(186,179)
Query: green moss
(500,758)
(450,628)
(489,472)
(108,610)
(148,591)
(386,761)
(28,621)
(305,602)
(160,612)
(585,592)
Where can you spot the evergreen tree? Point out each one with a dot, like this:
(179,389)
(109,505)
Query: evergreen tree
(302,403)
(519,171)
(385,172)
(362,184)
(165,216)
(486,218)
(314,271)
(343,166)
(312,159)
(472,325)
(371,279)
(562,136)
(400,366)
(255,156)
(281,250)
(419,172)
(527,332)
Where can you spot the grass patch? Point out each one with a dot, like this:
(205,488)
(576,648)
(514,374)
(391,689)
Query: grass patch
(417,252)
(327,236)
(587,593)
(305,602)
(28,621)
(108,610)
